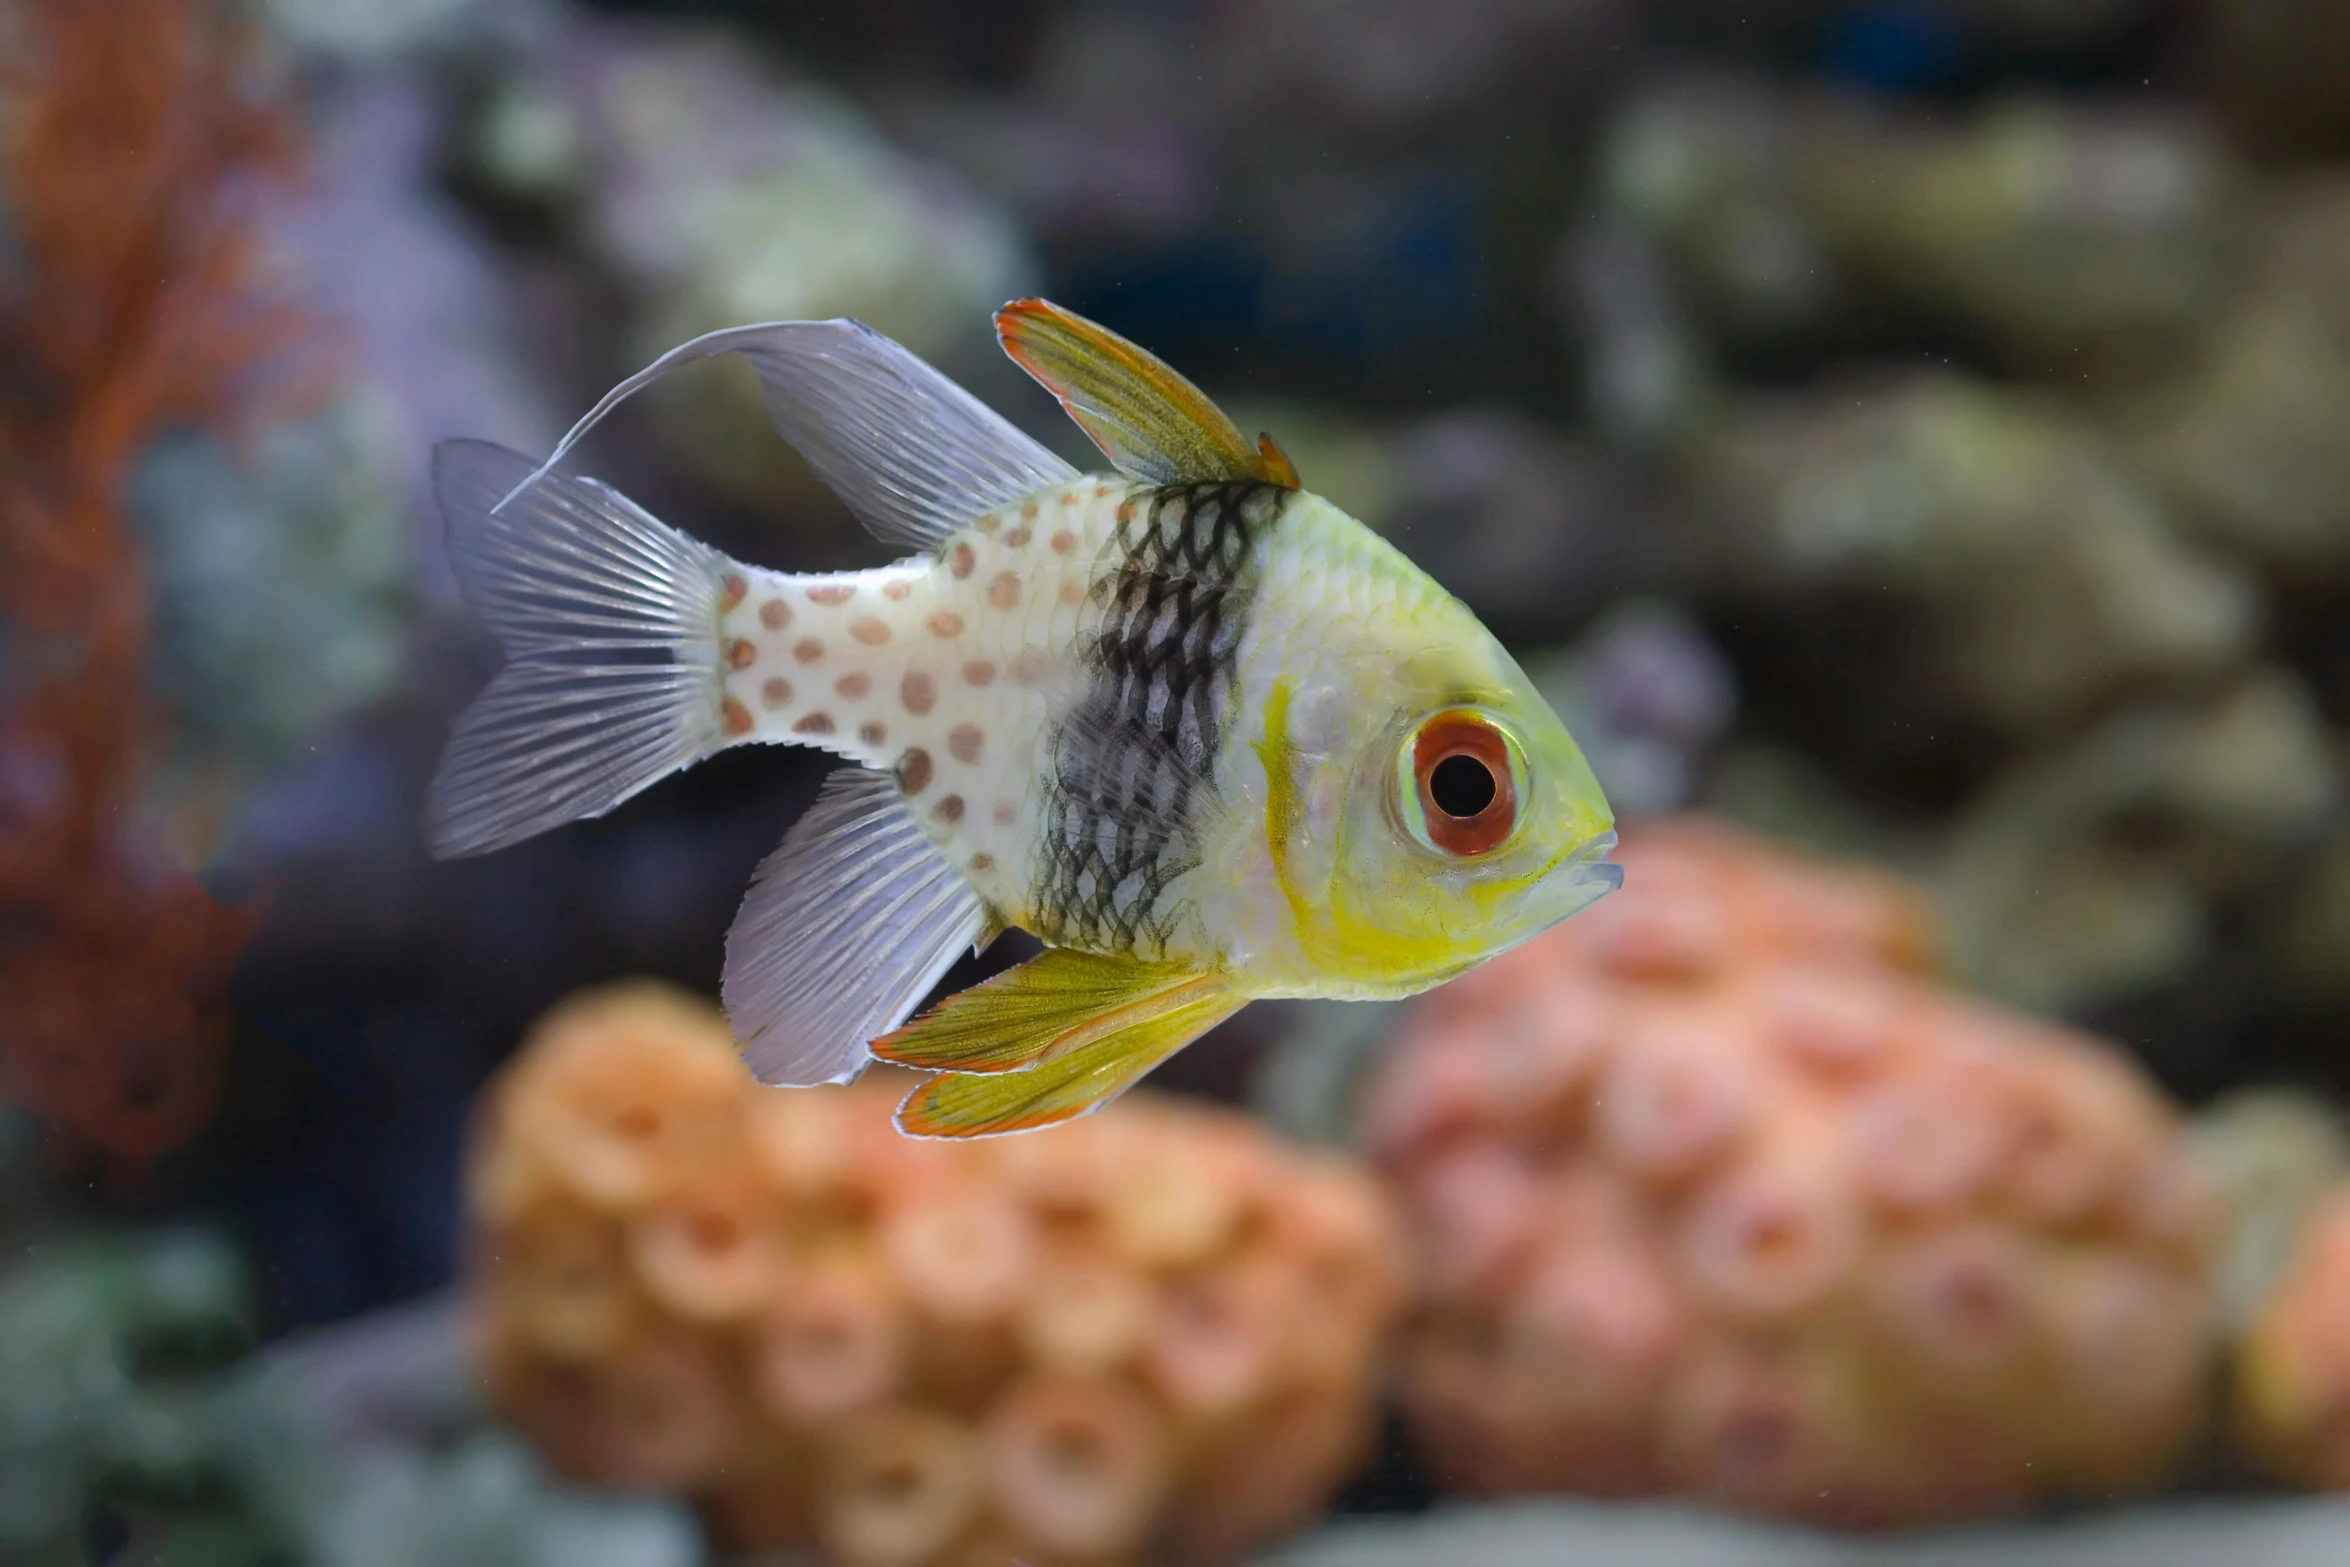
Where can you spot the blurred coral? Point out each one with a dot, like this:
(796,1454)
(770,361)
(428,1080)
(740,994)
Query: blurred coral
(1152,1331)
(133,146)
(1715,1192)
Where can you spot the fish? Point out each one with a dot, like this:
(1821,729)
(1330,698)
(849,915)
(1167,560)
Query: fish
(1207,737)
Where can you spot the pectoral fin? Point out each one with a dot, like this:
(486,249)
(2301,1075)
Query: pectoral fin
(1049,1006)
(1065,1086)
(1146,418)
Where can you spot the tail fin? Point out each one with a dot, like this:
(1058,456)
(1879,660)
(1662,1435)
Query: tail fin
(610,624)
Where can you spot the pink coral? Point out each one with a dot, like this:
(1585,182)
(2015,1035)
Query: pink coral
(1152,1331)
(1714,1192)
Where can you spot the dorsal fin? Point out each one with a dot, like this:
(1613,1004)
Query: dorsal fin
(1150,421)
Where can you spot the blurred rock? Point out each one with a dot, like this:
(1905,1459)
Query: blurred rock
(371,29)
(2053,228)
(2085,872)
(1648,379)
(2272,1533)
(367,1444)
(2276,68)
(2256,442)
(2293,1367)
(1645,694)
(2057,577)
(721,193)
(2272,1155)
(1706,166)
(2309,931)
(1390,64)
(281,587)
(1531,528)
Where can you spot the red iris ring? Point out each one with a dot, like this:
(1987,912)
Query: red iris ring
(1440,740)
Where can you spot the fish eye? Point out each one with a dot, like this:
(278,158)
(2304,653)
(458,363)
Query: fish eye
(1458,782)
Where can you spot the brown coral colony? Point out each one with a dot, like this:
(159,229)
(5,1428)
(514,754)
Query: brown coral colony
(1149,1332)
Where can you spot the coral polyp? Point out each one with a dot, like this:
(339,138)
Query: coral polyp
(1150,1331)
(1714,1191)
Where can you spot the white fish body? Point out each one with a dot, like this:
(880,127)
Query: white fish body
(1184,721)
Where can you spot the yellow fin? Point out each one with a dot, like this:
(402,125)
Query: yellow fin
(1146,418)
(1065,1087)
(1047,1007)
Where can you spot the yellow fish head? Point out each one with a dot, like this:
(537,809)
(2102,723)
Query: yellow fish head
(1455,819)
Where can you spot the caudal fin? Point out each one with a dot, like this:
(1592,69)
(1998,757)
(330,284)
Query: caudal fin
(610,624)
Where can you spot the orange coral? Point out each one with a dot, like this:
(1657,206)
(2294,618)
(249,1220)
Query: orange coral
(1149,1331)
(1713,1191)
(132,130)
(2292,1400)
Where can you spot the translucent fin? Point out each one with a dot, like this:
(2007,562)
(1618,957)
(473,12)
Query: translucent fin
(910,452)
(846,928)
(1047,1007)
(609,621)
(1147,419)
(988,1104)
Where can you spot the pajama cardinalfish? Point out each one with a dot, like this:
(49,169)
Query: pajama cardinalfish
(1204,734)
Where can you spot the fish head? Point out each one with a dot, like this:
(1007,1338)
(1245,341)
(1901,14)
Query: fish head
(1451,816)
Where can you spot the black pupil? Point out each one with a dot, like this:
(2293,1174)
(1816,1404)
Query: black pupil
(1461,786)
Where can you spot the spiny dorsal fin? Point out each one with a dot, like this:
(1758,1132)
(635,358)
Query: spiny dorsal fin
(1147,419)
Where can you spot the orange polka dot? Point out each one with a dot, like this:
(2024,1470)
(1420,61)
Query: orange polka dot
(1016,538)
(1004,591)
(731,589)
(990,522)
(742,652)
(914,770)
(1064,541)
(1126,511)
(775,614)
(1068,497)
(978,672)
(854,686)
(807,650)
(813,724)
(898,590)
(962,560)
(983,863)
(735,717)
(949,810)
(964,741)
(1101,492)
(1029,511)
(775,693)
(946,623)
(1072,593)
(832,593)
(869,631)
(1006,813)
(872,734)
(919,692)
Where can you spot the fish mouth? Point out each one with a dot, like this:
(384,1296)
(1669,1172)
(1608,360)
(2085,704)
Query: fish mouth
(1590,863)
(1578,878)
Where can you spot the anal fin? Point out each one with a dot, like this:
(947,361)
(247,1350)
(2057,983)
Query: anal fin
(1047,1007)
(846,928)
(1063,1087)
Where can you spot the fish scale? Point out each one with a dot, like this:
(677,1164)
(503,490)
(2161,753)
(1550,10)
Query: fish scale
(940,670)
(1183,721)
